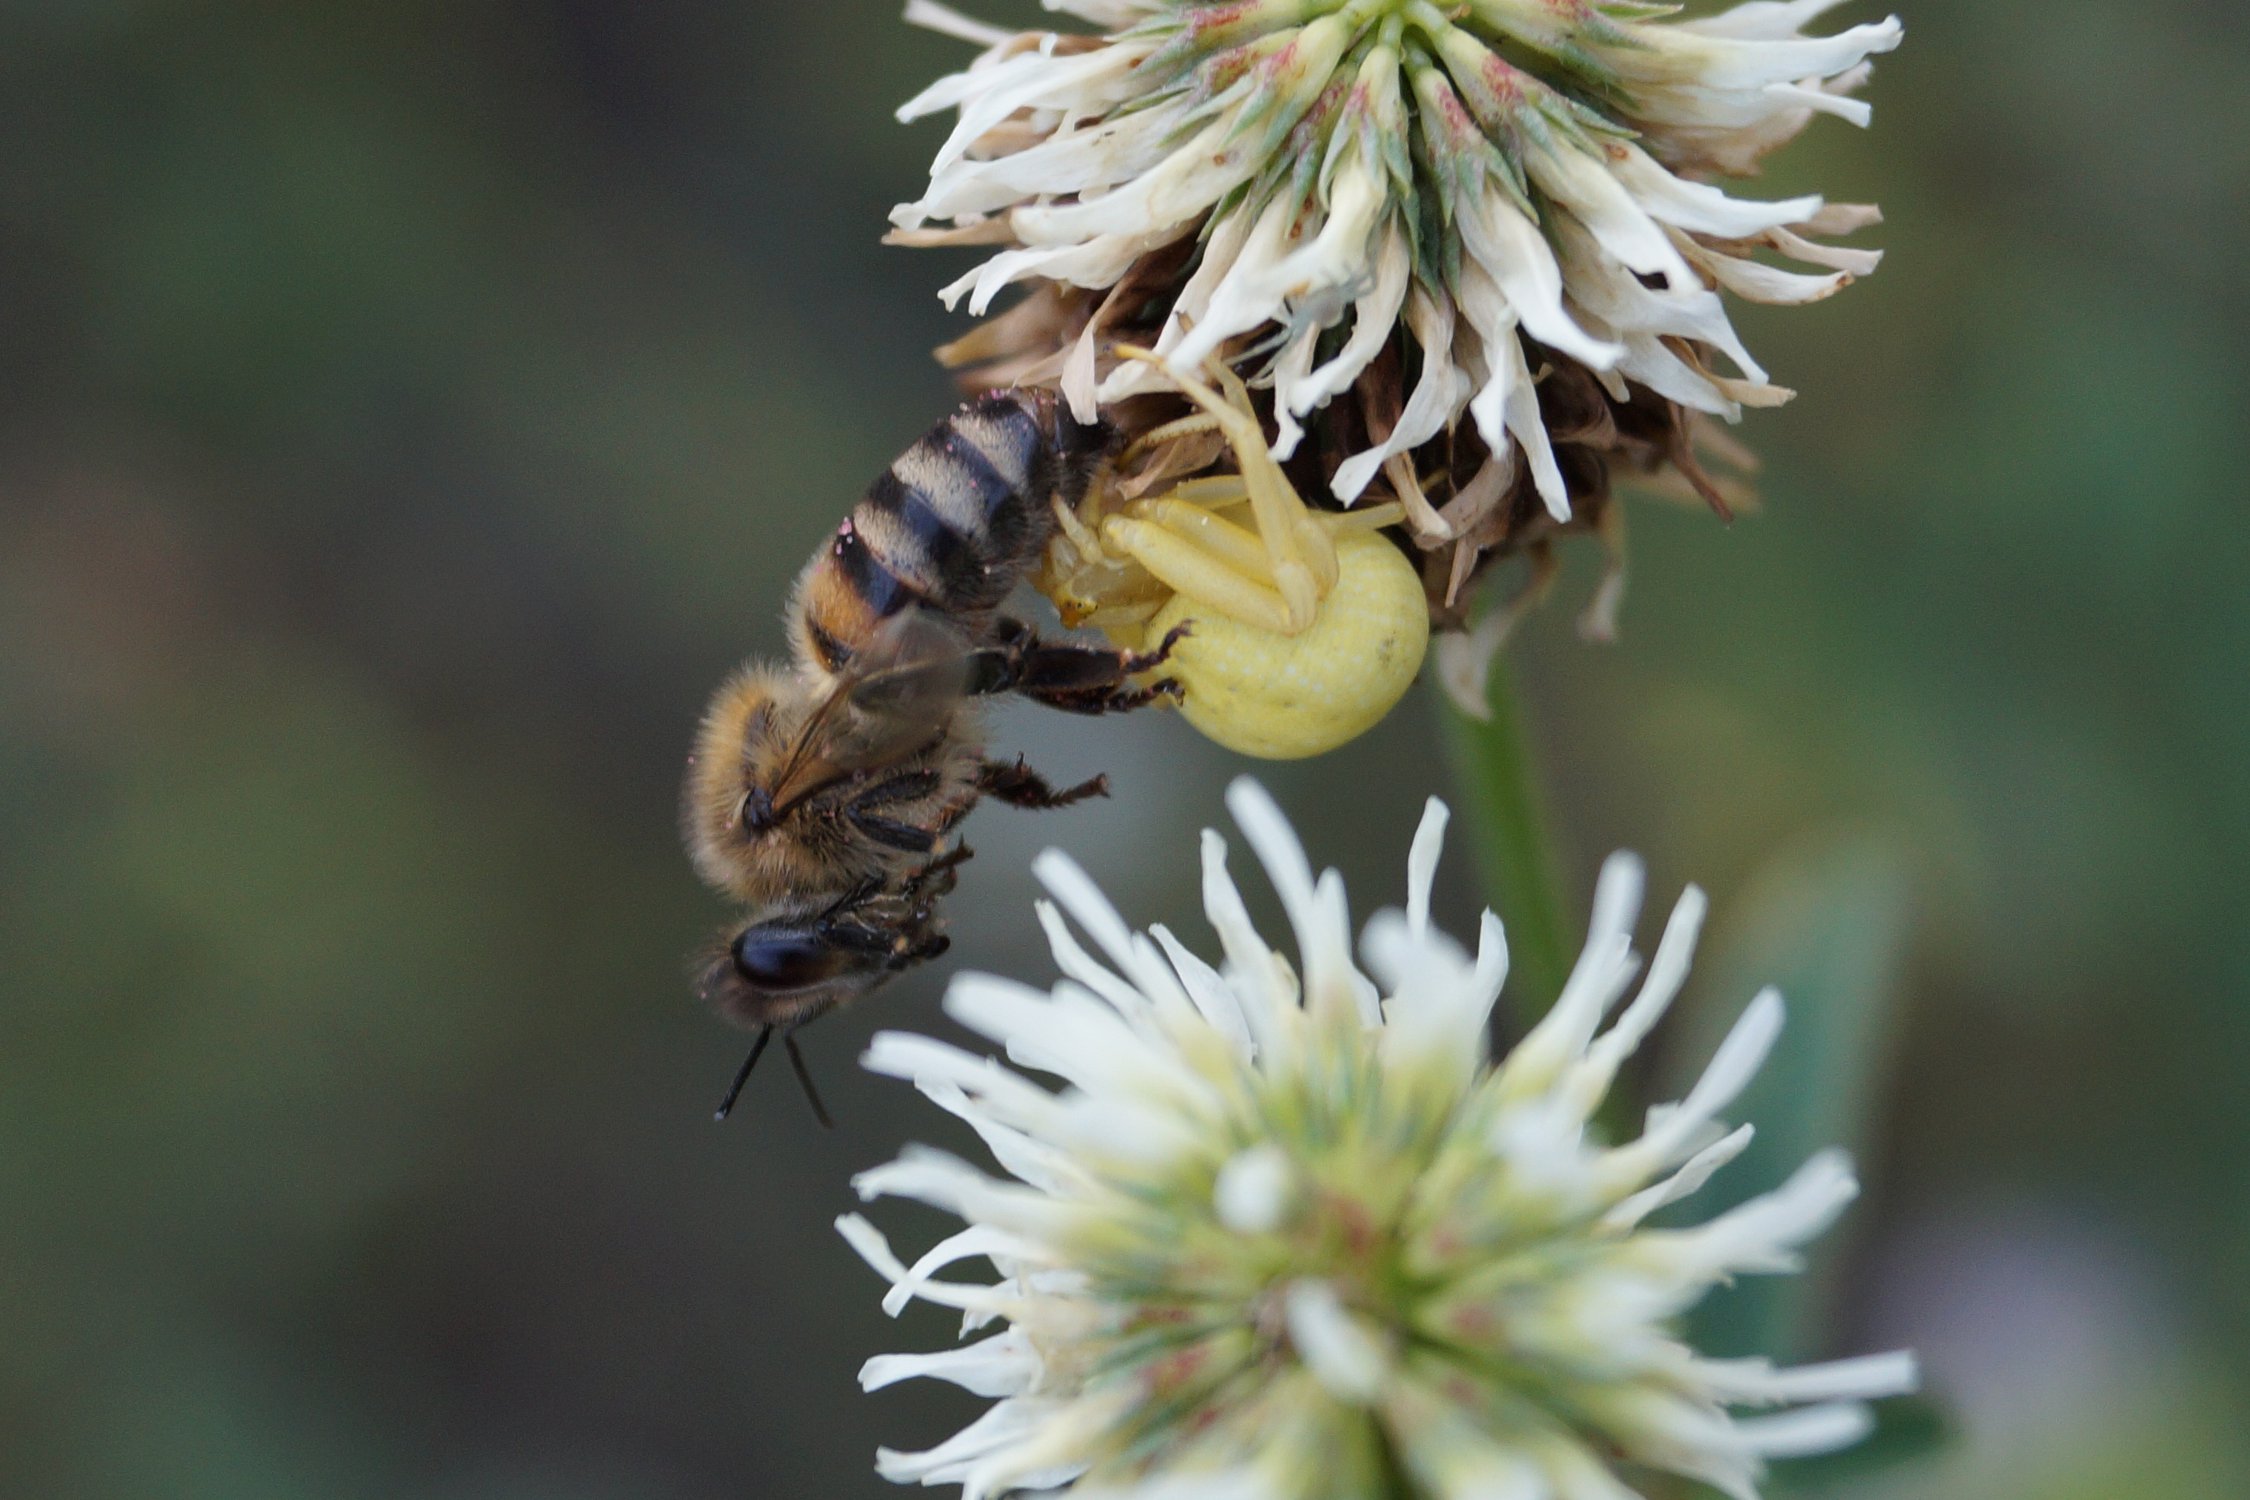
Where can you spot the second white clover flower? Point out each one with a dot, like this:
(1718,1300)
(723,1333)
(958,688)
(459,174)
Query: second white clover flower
(1286,1232)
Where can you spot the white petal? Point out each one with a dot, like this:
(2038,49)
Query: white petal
(1693,1173)
(1515,255)
(1223,244)
(1824,100)
(1084,900)
(989,93)
(1800,1434)
(1069,1034)
(1666,973)
(1005,1094)
(1726,63)
(1347,1361)
(1003,1365)
(1584,186)
(1754,281)
(1422,862)
(1576,1474)
(868,1241)
(1252,966)
(1084,159)
(1225,1484)
(1731,1068)
(871,1245)
(1250,293)
(1870,1377)
(1253,1190)
(1529,428)
(1440,1002)
(1195,176)
(1287,370)
(1450,1455)
(1654,365)
(1110,15)
(1009,1423)
(1035,1163)
(1437,398)
(977,1239)
(947,21)
(1072,958)
(1813,252)
(1096,262)
(1331,979)
(1273,839)
(1604,968)
(947,1182)
(1220,1006)
(1613,298)
(1761,20)
(1698,206)
(1374,319)
(1754,1236)
(1415,969)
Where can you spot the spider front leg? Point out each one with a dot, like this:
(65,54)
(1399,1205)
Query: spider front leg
(1211,560)
(1273,577)
(1180,539)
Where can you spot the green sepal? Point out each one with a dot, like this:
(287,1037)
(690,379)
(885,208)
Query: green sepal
(1827,925)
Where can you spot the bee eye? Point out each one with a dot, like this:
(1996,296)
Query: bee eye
(757,811)
(785,961)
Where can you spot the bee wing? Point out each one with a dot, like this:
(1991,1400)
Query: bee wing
(896,695)
(911,677)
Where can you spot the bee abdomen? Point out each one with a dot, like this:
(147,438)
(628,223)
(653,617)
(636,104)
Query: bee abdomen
(954,523)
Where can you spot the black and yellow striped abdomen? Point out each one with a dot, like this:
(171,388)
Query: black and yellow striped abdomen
(951,526)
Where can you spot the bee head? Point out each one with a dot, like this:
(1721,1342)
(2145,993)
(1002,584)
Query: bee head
(776,976)
(797,960)
(727,804)
(783,973)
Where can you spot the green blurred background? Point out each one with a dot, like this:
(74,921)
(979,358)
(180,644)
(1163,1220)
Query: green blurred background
(410,410)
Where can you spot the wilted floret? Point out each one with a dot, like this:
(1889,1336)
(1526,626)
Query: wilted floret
(1469,254)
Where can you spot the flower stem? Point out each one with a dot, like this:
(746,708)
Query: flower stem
(1500,787)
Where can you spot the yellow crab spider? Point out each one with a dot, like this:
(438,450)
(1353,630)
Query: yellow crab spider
(1307,627)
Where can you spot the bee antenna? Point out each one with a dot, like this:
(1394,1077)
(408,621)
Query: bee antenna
(804,1081)
(734,1092)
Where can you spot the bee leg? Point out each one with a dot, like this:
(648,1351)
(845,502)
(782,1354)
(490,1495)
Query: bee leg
(892,834)
(858,940)
(904,787)
(847,926)
(926,947)
(1020,786)
(1117,700)
(937,877)
(1134,663)
(1082,679)
(853,899)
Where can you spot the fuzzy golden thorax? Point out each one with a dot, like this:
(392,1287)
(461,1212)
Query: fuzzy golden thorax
(779,768)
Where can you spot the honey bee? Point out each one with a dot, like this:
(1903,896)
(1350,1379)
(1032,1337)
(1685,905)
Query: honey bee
(824,794)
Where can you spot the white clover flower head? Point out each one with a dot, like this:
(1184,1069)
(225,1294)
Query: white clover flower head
(1507,183)
(1286,1230)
